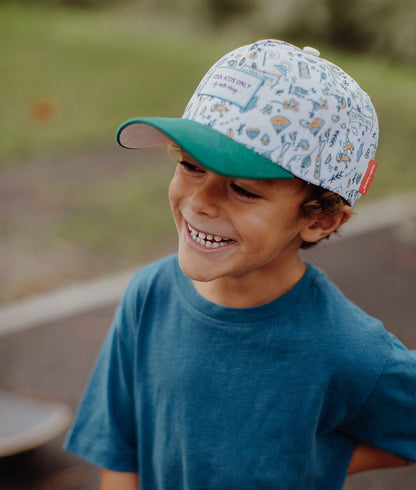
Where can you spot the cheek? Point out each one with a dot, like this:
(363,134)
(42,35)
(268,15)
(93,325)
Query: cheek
(174,192)
(173,199)
(271,229)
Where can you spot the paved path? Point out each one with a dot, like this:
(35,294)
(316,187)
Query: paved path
(52,361)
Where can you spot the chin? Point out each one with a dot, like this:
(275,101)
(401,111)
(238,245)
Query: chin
(195,273)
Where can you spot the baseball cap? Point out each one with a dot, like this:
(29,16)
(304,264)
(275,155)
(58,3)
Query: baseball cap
(270,110)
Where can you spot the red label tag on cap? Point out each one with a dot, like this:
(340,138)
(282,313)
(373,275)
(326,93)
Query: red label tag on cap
(368,177)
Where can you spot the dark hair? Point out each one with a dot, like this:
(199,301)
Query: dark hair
(321,201)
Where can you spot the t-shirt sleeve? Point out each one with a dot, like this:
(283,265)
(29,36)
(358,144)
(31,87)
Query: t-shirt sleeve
(387,418)
(104,430)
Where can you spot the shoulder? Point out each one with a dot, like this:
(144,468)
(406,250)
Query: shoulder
(352,338)
(338,315)
(352,347)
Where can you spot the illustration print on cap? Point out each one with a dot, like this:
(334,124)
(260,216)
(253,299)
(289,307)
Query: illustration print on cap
(294,108)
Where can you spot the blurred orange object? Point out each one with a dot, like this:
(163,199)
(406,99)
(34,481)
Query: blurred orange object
(46,109)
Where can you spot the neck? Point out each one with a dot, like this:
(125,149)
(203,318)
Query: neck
(255,288)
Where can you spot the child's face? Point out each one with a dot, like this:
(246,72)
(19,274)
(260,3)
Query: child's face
(231,227)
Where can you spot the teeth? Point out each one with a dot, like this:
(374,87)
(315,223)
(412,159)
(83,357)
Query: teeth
(207,240)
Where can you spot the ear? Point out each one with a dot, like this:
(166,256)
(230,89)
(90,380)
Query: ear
(320,227)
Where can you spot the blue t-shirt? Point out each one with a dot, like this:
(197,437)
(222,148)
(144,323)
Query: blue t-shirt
(194,395)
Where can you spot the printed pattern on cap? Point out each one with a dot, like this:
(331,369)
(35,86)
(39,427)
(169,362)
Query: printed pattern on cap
(296,109)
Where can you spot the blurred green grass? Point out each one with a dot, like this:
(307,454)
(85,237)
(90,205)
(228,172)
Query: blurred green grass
(95,68)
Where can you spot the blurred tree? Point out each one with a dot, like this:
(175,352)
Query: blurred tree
(394,32)
(345,28)
(71,3)
(378,26)
(221,11)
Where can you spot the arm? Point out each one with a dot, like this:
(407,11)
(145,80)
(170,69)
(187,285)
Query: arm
(115,480)
(367,457)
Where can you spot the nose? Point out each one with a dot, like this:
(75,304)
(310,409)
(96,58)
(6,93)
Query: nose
(207,196)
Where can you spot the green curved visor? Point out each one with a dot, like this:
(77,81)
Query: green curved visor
(211,149)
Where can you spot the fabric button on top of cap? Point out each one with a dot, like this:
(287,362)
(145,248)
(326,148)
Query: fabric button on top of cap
(312,51)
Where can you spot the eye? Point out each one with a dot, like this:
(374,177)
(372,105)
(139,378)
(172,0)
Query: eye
(190,167)
(243,192)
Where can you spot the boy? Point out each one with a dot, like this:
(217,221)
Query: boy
(234,364)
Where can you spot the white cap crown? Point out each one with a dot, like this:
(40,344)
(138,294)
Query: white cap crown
(299,111)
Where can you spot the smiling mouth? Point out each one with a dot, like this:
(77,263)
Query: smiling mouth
(207,240)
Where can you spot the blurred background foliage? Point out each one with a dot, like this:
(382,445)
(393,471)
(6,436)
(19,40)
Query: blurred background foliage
(375,26)
(72,205)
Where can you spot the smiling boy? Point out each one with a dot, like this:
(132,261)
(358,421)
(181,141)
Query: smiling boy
(237,236)
(234,364)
